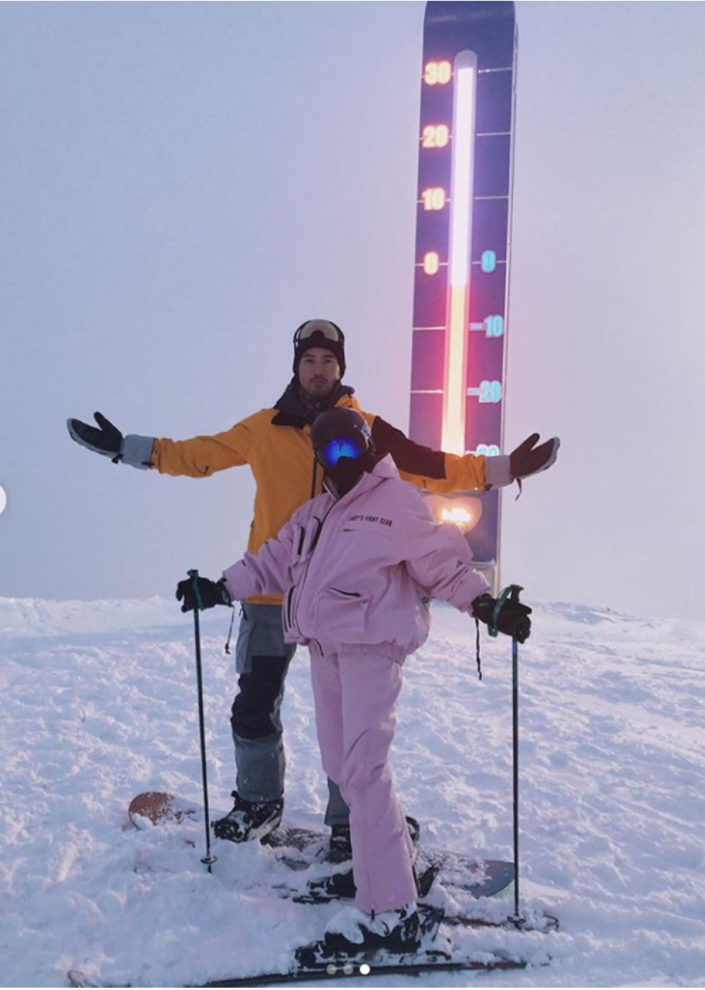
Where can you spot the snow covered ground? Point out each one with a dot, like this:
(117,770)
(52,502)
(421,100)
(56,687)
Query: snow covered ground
(99,703)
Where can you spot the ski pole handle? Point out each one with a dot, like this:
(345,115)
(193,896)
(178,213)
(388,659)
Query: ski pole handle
(197,591)
(514,592)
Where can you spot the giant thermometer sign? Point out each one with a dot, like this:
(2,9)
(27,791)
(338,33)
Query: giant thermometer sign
(462,248)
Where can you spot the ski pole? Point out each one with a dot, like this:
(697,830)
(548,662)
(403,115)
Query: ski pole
(512,594)
(208,860)
(518,920)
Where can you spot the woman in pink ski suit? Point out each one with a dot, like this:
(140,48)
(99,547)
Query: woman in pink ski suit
(357,573)
(358,566)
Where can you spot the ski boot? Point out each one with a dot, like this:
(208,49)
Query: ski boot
(341,885)
(393,938)
(249,820)
(340,847)
(353,931)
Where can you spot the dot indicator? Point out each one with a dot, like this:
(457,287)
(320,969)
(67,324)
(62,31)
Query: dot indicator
(3,500)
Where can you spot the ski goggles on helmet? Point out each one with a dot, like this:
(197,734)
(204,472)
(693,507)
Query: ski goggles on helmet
(334,450)
(324,327)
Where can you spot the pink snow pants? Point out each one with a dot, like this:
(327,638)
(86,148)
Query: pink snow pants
(355,696)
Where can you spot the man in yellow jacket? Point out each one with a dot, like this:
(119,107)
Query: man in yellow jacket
(276,445)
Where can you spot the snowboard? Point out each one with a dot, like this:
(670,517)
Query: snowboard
(301,848)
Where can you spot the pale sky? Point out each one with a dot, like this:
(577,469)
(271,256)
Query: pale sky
(182,184)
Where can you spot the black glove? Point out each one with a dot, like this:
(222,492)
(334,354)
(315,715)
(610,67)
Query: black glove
(529,459)
(210,594)
(133,449)
(512,618)
(107,440)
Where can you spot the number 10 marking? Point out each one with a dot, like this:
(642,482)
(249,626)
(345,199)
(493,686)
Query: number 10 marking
(494,326)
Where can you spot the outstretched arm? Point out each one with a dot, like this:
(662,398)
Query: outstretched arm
(266,572)
(195,458)
(440,472)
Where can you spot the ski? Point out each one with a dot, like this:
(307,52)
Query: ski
(333,972)
(412,966)
(319,961)
(364,965)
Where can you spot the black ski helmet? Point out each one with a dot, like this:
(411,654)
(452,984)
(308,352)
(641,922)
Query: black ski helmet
(342,443)
(340,433)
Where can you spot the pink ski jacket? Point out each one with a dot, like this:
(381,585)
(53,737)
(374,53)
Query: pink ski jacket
(358,572)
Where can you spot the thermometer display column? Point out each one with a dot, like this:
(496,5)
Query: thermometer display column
(462,240)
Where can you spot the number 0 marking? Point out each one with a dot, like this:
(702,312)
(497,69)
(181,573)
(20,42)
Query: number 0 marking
(431,263)
(488,262)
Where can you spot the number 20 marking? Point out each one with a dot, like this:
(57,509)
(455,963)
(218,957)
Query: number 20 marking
(490,391)
(435,136)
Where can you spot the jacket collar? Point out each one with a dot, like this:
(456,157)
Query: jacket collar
(383,469)
(292,411)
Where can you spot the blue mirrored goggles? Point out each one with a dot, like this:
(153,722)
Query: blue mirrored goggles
(332,451)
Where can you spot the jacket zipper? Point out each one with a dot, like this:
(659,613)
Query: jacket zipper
(315,478)
(289,599)
(314,544)
(317,534)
